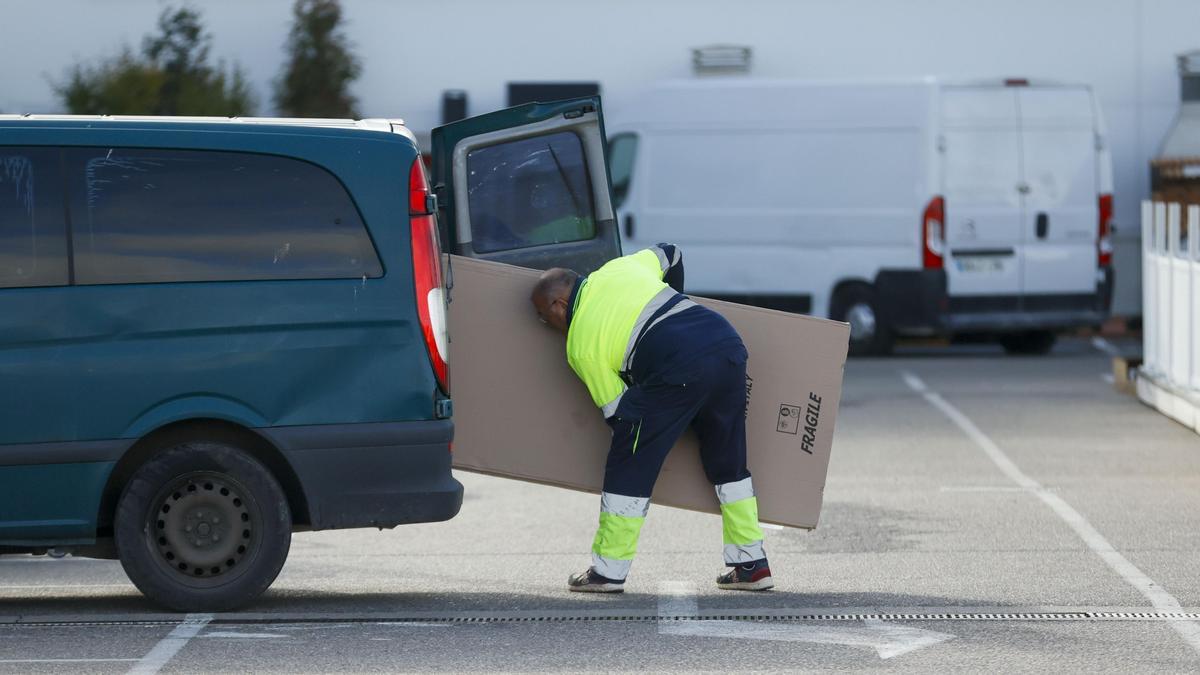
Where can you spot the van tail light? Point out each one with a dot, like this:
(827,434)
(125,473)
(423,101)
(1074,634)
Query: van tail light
(933,234)
(1104,244)
(427,273)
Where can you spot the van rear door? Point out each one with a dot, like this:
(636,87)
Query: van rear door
(527,186)
(982,186)
(1061,215)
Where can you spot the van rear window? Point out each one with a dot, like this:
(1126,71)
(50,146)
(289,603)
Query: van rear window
(33,249)
(529,192)
(154,216)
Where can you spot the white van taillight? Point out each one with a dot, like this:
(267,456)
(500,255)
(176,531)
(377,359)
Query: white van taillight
(1104,245)
(427,273)
(933,234)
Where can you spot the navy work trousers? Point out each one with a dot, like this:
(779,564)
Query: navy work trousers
(708,393)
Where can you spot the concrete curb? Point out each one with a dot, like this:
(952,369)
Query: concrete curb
(1181,406)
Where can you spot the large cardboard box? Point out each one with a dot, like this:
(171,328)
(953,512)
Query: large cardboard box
(520,412)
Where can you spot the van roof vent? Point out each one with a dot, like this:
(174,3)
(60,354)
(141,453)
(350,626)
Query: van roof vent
(721,59)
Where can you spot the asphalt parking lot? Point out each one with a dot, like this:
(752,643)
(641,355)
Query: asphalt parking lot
(982,512)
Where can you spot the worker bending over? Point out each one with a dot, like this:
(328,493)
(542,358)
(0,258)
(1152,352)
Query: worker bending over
(655,362)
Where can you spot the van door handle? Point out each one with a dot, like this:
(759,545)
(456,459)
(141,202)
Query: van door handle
(1043,225)
(628,224)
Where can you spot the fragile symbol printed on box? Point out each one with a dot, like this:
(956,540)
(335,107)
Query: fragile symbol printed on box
(789,419)
(793,420)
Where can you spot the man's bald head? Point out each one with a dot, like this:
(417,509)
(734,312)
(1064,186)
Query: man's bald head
(552,294)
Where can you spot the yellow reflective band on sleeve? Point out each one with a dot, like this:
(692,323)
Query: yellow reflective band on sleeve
(617,536)
(740,522)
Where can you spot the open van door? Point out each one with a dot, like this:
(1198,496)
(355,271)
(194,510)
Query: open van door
(527,186)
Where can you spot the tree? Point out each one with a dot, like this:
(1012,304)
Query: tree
(171,76)
(320,66)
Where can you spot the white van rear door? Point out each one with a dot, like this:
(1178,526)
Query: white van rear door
(981,179)
(1058,144)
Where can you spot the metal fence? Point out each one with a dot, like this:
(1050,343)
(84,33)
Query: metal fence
(1169,378)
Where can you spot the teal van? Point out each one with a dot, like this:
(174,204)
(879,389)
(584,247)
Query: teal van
(215,332)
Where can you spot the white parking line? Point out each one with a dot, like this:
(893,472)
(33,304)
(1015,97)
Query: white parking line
(1159,597)
(982,488)
(677,599)
(168,647)
(66,660)
(24,587)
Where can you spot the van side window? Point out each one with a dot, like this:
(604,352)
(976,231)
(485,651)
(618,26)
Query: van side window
(622,150)
(155,216)
(33,245)
(529,192)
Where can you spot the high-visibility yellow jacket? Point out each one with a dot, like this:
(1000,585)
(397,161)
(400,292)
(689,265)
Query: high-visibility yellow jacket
(612,308)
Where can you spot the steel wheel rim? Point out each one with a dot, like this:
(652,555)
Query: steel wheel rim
(861,318)
(204,528)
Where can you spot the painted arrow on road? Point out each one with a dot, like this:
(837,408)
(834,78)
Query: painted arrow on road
(887,639)
(677,606)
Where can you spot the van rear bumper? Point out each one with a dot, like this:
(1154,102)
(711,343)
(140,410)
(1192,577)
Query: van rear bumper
(372,475)
(916,302)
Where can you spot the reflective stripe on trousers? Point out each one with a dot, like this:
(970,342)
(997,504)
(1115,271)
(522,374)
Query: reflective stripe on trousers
(739,519)
(615,545)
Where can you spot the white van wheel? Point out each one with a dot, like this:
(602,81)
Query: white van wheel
(861,317)
(869,333)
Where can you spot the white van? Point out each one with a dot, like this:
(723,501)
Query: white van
(904,208)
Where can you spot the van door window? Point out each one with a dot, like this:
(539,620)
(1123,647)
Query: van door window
(529,192)
(622,150)
(154,216)
(33,248)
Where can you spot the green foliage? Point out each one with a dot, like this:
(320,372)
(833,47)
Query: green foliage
(171,76)
(320,67)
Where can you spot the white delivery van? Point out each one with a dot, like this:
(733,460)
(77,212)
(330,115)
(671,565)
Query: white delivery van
(905,208)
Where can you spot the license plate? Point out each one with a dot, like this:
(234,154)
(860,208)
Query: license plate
(980,264)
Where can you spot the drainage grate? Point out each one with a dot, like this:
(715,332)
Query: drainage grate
(643,617)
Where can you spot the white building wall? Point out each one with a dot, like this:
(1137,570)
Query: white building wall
(412,51)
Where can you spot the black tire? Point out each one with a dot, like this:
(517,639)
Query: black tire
(202,527)
(1029,343)
(870,334)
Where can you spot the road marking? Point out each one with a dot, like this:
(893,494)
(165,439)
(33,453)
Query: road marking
(982,488)
(168,647)
(677,600)
(1157,595)
(888,640)
(66,660)
(21,587)
(678,612)
(231,634)
(1107,377)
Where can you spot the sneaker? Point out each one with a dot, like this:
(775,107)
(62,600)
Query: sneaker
(755,576)
(590,582)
